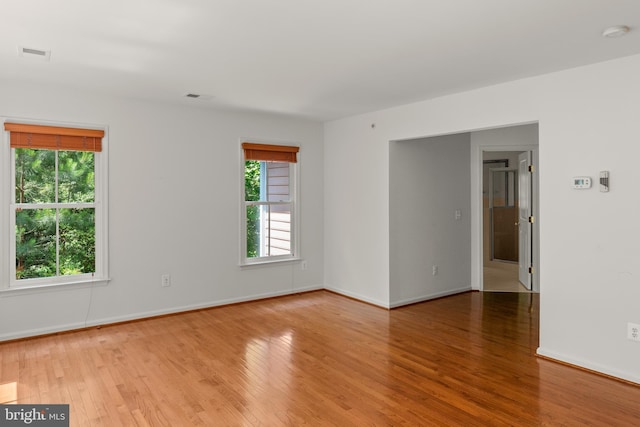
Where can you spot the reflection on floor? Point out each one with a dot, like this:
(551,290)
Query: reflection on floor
(502,277)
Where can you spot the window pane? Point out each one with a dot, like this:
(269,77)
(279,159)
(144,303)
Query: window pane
(75,177)
(278,231)
(268,224)
(266,181)
(253,231)
(252,181)
(77,241)
(268,230)
(35,243)
(278,181)
(35,176)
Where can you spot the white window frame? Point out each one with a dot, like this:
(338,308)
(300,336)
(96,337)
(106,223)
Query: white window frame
(294,180)
(8,281)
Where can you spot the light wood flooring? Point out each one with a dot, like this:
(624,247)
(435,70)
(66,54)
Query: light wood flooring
(317,359)
(502,276)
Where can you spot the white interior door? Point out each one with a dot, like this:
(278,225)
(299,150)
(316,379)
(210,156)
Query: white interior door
(524,212)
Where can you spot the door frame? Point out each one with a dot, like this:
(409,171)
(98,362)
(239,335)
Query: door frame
(477,272)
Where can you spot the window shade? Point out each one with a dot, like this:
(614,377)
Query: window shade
(270,153)
(39,137)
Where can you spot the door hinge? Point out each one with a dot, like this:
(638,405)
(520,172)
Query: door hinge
(530,270)
(532,219)
(532,169)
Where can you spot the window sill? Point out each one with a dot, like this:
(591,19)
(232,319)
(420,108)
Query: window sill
(267,262)
(49,287)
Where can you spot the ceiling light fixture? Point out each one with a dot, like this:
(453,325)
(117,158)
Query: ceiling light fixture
(615,31)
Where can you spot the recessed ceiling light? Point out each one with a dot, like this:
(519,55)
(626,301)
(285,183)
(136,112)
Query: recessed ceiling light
(616,31)
(29,52)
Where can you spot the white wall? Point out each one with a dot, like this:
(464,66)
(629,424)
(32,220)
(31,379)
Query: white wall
(174,209)
(428,181)
(356,202)
(589,251)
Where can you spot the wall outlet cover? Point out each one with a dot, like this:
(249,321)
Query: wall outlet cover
(633,332)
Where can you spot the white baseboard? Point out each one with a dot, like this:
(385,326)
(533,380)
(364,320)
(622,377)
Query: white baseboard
(41,331)
(589,365)
(147,314)
(357,296)
(428,297)
(199,306)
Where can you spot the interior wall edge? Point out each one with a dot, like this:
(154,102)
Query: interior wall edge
(357,296)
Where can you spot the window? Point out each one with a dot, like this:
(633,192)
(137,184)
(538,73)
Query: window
(56,207)
(269,230)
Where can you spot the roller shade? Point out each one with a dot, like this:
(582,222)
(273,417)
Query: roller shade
(39,137)
(270,153)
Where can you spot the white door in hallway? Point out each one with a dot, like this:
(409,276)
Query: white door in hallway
(524,224)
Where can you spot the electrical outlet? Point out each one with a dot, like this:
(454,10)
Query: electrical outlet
(633,332)
(434,270)
(165,280)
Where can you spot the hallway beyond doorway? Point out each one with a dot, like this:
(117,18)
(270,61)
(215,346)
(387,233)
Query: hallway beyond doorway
(502,277)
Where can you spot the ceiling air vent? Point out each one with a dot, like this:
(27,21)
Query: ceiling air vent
(28,52)
(199,96)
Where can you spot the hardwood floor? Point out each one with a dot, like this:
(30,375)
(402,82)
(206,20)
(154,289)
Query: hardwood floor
(317,359)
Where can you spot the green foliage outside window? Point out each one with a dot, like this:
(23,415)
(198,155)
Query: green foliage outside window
(252,193)
(57,240)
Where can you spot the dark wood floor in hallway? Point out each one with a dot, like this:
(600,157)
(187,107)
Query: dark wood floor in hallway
(317,359)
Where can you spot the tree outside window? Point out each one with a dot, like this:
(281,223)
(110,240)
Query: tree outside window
(55,213)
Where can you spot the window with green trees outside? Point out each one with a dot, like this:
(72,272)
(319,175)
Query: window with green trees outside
(269,202)
(54,213)
(57,206)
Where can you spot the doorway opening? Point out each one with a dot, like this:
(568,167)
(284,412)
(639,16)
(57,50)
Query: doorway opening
(507,200)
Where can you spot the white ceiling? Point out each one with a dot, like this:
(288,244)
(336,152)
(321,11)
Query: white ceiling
(320,59)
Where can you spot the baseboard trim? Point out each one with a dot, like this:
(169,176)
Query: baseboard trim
(593,368)
(429,297)
(355,296)
(72,327)
(201,306)
(39,332)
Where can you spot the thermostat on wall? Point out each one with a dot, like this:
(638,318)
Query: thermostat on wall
(581,182)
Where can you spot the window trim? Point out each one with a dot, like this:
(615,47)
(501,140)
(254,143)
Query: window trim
(295,201)
(8,283)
